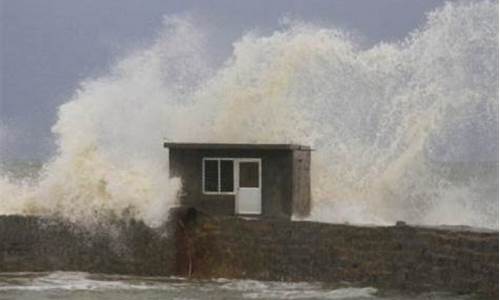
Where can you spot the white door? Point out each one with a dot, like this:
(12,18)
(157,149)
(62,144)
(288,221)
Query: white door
(249,186)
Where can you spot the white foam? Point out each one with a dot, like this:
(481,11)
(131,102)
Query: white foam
(253,289)
(79,281)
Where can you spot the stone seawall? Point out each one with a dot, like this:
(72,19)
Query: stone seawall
(38,244)
(400,257)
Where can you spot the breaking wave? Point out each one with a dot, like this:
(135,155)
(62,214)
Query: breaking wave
(377,118)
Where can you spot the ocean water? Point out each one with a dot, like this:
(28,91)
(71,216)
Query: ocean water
(79,286)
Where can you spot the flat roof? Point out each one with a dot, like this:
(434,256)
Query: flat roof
(245,146)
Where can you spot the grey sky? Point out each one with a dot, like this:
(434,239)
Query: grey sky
(48,46)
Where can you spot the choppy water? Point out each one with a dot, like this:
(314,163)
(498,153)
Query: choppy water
(79,286)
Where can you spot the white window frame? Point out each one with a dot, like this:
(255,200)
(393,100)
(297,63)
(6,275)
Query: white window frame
(218,159)
(236,173)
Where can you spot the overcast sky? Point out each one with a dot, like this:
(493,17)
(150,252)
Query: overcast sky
(48,46)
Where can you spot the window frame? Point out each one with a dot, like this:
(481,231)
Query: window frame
(219,192)
(236,175)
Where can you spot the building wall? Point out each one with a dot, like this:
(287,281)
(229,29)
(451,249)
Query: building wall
(277,185)
(301,183)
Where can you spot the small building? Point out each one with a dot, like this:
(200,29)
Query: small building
(267,180)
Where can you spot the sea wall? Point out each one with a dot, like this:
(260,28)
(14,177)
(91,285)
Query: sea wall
(121,247)
(399,257)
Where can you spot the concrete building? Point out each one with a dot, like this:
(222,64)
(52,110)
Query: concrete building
(266,180)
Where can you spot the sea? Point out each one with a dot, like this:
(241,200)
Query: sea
(85,286)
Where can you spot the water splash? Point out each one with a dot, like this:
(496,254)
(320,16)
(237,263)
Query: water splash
(377,117)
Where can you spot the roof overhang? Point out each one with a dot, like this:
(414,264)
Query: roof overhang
(236,146)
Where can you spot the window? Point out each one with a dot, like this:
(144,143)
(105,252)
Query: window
(218,176)
(249,174)
(226,176)
(211,175)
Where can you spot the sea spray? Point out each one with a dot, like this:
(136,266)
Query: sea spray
(377,118)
